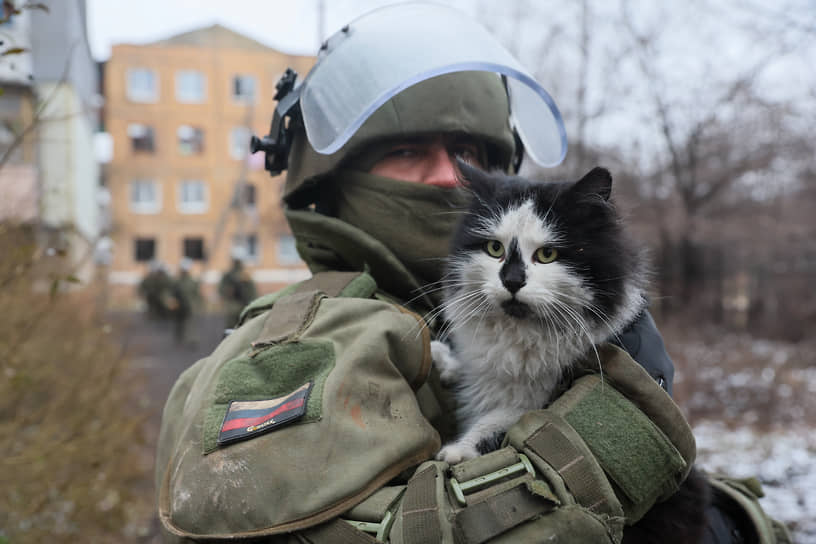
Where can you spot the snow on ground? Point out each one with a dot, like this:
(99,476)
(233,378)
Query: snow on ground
(784,460)
(752,404)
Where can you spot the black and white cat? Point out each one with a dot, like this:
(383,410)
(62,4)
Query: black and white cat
(539,274)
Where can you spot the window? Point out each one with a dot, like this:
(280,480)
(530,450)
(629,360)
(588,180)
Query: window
(145,196)
(144,249)
(142,85)
(245,195)
(243,88)
(191,86)
(190,140)
(287,251)
(192,196)
(247,245)
(239,142)
(193,248)
(141,138)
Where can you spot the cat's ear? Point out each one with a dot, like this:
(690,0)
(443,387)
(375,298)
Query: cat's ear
(475,179)
(597,182)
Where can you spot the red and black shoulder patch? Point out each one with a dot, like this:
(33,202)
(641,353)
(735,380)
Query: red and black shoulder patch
(249,418)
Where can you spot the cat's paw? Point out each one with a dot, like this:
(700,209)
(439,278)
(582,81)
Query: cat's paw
(456,453)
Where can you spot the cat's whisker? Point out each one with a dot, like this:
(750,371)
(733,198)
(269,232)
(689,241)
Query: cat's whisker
(453,308)
(582,328)
(438,286)
(462,316)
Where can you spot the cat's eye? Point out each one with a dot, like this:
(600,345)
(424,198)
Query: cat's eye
(494,248)
(545,255)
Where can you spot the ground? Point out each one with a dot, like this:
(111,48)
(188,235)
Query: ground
(154,352)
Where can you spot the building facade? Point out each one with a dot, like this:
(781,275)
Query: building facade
(49,113)
(180,113)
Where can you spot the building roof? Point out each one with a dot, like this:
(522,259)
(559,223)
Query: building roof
(213,36)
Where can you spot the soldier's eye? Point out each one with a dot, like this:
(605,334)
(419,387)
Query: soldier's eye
(468,153)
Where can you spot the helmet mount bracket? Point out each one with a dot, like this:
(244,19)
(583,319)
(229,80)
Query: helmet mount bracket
(276,144)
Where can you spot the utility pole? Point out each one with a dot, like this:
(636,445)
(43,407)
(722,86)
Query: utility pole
(321,22)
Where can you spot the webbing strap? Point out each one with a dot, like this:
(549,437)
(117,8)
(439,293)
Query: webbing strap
(330,282)
(420,511)
(292,314)
(491,517)
(336,531)
(557,443)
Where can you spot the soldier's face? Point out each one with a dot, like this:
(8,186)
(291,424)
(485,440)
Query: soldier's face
(428,160)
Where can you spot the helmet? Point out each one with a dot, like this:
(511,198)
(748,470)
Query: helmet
(400,71)
(473,103)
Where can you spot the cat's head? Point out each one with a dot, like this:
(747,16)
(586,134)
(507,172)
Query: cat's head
(550,252)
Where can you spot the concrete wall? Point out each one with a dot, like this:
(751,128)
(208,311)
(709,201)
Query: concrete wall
(69,174)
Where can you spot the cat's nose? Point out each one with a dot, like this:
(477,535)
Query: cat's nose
(512,274)
(513,277)
(513,284)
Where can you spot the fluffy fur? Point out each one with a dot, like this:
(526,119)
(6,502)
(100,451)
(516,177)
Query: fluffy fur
(538,275)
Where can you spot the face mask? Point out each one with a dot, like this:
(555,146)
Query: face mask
(415,221)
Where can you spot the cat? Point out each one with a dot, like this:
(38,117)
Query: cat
(539,273)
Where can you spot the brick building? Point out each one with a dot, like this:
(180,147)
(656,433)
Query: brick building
(180,113)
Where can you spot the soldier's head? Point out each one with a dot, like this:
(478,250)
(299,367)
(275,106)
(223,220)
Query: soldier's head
(398,84)
(239,256)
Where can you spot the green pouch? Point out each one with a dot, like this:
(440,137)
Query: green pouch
(745,492)
(299,415)
(617,439)
(496,498)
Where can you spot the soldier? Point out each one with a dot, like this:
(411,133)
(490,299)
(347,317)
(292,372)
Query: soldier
(156,290)
(236,287)
(318,418)
(186,297)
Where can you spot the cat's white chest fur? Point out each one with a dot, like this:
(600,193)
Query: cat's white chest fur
(500,373)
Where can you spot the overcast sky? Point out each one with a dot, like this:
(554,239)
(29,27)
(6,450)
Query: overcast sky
(288,25)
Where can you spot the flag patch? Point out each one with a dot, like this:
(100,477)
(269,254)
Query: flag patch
(248,418)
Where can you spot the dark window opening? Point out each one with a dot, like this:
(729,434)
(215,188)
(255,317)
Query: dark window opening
(243,88)
(194,248)
(245,195)
(141,138)
(144,249)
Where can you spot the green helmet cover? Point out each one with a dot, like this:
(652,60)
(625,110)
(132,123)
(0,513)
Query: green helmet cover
(473,103)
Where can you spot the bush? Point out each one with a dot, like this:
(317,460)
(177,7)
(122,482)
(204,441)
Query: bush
(75,463)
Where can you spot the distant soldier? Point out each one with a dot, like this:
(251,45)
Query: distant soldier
(186,297)
(236,288)
(156,290)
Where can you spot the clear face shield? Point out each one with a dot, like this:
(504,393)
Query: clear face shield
(387,50)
